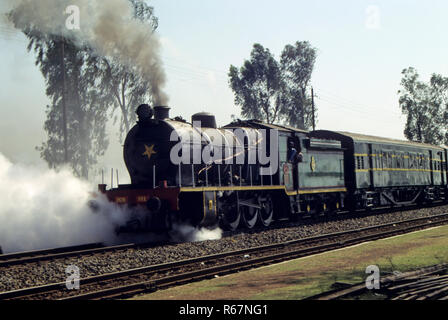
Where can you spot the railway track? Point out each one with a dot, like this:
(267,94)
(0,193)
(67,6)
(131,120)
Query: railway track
(150,278)
(424,284)
(92,248)
(58,253)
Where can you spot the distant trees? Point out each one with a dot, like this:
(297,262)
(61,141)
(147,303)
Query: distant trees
(92,87)
(257,85)
(276,91)
(297,64)
(426,107)
(86,106)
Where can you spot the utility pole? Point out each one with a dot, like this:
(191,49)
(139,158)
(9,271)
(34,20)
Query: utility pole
(312,103)
(64,107)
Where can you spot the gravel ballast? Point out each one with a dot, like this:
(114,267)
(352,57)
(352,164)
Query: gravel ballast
(35,274)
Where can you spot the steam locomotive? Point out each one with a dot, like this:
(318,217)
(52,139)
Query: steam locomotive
(249,172)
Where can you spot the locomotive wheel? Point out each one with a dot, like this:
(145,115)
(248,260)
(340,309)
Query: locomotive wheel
(266,214)
(231,219)
(249,217)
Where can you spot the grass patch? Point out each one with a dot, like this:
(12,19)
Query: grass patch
(308,276)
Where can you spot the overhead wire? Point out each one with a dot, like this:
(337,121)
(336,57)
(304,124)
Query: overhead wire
(353,103)
(366,115)
(187,72)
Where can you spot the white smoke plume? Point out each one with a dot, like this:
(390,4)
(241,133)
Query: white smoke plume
(106,26)
(188,233)
(41,208)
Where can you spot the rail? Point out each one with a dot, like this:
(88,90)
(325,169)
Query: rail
(155,277)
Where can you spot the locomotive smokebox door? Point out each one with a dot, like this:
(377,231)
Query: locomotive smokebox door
(210,214)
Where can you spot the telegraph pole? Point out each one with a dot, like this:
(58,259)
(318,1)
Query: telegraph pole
(312,103)
(64,107)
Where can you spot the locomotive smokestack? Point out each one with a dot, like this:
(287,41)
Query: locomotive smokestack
(144,113)
(161,112)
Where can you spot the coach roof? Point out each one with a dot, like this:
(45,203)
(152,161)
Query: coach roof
(374,139)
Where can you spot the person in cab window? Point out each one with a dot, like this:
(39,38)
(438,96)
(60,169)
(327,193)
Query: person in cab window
(293,155)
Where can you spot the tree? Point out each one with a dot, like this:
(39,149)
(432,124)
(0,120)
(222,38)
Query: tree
(257,85)
(86,105)
(439,98)
(93,85)
(297,64)
(276,91)
(422,104)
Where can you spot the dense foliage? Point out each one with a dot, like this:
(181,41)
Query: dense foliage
(276,91)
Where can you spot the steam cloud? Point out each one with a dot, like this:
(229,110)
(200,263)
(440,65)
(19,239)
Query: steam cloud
(108,27)
(184,232)
(44,209)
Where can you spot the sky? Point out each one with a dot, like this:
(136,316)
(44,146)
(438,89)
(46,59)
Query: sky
(362,48)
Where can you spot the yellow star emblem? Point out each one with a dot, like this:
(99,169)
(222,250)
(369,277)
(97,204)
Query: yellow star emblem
(149,151)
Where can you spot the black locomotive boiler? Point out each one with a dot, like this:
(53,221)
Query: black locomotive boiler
(317,172)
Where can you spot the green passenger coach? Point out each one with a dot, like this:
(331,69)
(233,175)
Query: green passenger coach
(382,171)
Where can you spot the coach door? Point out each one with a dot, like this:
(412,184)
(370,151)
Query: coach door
(286,168)
(439,168)
(442,167)
(295,142)
(432,166)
